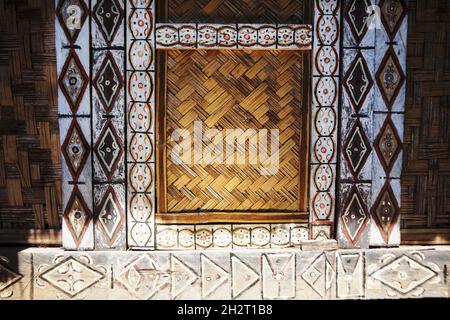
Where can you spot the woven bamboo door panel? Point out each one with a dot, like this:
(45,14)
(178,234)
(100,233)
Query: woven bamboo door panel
(236,90)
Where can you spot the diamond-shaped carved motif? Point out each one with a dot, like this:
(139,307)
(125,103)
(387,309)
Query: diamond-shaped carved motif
(77,216)
(355,215)
(387,145)
(75,149)
(73,80)
(385,211)
(109,15)
(357,149)
(358,82)
(109,149)
(110,215)
(390,77)
(108,82)
(71,15)
(356,16)
(404,274)
(392,14)
(71,276)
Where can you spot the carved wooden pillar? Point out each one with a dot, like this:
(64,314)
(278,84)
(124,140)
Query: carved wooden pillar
(324,117)
(371,122)
(74,107)
(141,123)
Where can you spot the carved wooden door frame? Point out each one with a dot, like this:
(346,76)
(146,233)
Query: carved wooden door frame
(106,75)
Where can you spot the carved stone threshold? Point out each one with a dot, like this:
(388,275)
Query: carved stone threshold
(406,272)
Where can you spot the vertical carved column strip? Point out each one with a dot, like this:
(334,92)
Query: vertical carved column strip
(356,112)
(324,117)
(72,50)
(108,122)
(388,118)
(141,123)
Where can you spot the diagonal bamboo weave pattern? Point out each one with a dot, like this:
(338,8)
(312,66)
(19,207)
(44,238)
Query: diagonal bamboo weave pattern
(232,11)
(229,89)
(30,168)
(425,202)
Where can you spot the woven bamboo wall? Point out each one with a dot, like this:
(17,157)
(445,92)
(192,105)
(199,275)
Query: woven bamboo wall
(30,195)
(426,167)
(233,11)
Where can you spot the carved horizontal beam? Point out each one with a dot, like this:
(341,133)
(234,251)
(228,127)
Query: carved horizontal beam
(234,36)
(36,274)
(232,217)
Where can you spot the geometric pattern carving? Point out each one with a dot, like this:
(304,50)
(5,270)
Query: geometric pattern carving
(143,277)
(77,216)
(390,53)
(392,14)
(357,148)
(326,60)
(74,120)
(108,37)
(278,276)
(355,107)
(110,215)
(205,237)
(244,277)
(71,276)
(385,211)
(75,149)
(390,77)
(181,278)
(350,275)
(7,277)
(109,149)
(71,15)
(231,36)
(108,82)
(354,215)
(356,16)
(109,15)
(140,124)
(405,275)
(357,81)
(73,80)
(319,275)
(388,144)
(213,276)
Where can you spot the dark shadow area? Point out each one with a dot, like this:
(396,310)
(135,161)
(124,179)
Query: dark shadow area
(232,11)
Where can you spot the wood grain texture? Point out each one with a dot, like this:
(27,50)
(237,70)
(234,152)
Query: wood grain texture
(425,202)
(30,171)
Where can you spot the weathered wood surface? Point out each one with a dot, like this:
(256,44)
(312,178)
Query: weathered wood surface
(247,274)
(233,36)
